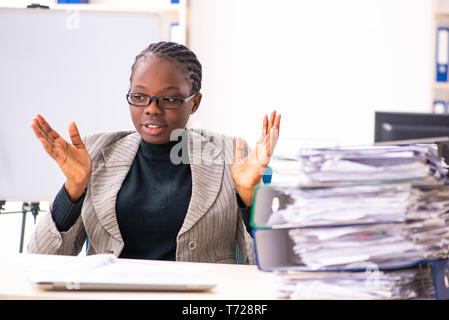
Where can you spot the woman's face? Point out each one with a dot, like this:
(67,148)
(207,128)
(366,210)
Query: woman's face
(160,77)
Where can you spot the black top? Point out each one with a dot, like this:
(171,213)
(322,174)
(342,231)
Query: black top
(151,204)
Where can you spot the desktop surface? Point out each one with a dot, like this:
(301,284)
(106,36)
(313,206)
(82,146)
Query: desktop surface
(233,282)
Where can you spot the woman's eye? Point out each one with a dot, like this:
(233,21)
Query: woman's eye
(138,97)
(170,99)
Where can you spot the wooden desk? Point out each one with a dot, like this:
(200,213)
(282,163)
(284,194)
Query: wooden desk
(234,282)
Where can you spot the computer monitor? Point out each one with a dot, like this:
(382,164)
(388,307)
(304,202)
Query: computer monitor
(393,126)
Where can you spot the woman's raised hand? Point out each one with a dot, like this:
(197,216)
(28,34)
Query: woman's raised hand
(247,172)
(73,159)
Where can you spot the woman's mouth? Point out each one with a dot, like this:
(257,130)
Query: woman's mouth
(153,129)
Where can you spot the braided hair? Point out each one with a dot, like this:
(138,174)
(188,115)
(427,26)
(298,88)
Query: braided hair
(177,53)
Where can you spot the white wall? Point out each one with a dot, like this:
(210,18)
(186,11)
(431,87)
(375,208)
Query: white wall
(325,65)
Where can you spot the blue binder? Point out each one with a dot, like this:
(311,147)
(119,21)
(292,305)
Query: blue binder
(442,55)
(440,275)
(73,1)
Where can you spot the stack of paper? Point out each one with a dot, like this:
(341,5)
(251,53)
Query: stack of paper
(388,244)
(373,163)
(407,283)
(356,204)
(381,206)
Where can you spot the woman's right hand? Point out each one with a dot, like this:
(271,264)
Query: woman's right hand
(73,159)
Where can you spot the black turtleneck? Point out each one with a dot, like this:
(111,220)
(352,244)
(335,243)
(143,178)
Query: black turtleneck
(151,204)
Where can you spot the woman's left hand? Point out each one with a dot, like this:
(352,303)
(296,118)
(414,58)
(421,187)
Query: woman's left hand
(247,172)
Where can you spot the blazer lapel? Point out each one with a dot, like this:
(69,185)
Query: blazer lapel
(207,175)
(108,178)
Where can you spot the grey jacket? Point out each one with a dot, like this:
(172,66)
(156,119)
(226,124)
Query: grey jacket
(211,228)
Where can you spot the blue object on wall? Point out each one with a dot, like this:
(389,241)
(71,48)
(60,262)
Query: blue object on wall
(266,178)
(73,1)
(442,54)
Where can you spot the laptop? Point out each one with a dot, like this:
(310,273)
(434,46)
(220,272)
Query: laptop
(49,281)
(126,275)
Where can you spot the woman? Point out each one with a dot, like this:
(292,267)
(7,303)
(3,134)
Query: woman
(162,191)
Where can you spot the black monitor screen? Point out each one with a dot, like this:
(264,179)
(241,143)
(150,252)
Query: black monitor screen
(392,126)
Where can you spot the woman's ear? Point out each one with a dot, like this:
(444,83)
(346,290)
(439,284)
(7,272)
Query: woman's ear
(196,102)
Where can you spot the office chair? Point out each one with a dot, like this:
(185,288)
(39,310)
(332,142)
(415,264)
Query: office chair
(266,179)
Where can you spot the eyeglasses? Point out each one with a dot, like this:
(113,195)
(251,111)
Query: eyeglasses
(162,102)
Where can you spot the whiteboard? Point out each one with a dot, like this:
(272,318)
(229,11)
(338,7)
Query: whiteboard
(67,66)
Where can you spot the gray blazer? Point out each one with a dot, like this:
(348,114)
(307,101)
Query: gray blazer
(212,226)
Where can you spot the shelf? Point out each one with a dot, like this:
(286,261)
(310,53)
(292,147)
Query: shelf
(441,85)
(442,13)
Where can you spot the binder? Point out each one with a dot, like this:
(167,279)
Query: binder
(440,274)
(175,33)
(324,235)
(442,55)
(274,247)
(273,250)
(439,106)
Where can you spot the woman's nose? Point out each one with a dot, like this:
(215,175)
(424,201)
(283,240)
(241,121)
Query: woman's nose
(152,108)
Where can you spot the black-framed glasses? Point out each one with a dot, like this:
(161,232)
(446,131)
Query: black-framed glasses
(162,102)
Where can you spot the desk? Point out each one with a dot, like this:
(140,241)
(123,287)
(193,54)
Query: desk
(234,282)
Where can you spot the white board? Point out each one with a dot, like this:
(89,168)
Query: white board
(67,66)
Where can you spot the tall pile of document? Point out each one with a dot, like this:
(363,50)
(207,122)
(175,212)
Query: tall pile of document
(373,164)
(372,283)
(364,221)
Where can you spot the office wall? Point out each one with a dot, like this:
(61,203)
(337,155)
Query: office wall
(326,65)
